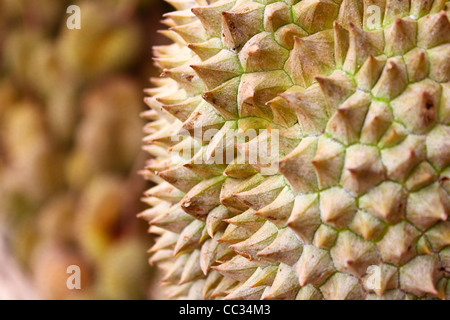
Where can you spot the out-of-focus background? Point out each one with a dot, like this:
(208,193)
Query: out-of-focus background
(70,147)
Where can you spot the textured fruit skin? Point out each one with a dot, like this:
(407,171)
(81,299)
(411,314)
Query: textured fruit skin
(69,143)
(359,206)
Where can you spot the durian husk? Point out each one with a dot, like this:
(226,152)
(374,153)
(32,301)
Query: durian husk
(359,205)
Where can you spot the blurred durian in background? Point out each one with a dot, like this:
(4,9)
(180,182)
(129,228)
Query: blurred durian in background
(70,148)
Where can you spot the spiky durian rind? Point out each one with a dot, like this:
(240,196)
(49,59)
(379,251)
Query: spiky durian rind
(358,208)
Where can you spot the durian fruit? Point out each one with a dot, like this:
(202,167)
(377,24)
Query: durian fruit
(69,149)
(353,202)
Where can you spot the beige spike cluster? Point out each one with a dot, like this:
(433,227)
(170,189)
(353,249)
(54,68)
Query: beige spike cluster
(358,94)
